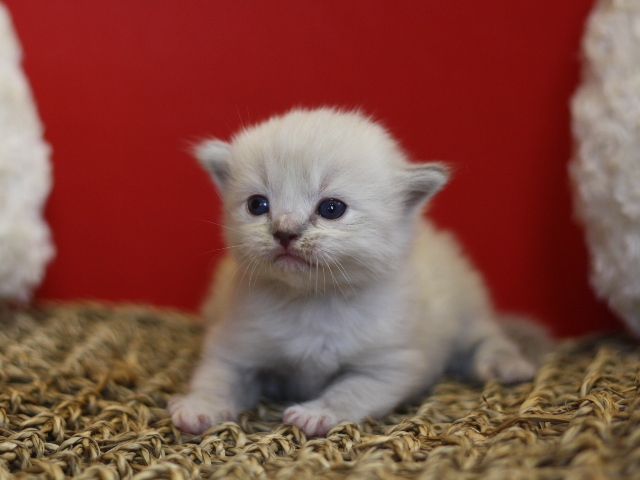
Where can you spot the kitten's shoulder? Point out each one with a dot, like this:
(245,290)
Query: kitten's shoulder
(443,268)
(218,300)
(431,241)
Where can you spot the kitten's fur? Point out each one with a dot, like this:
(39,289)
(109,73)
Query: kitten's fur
(381,304)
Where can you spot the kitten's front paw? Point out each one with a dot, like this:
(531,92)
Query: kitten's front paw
(504,362)
(312,419)
(192,414)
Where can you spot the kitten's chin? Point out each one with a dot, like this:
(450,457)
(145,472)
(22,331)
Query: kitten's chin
(290,262)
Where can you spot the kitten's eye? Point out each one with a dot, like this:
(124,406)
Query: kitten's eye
(331,208)
(258,205)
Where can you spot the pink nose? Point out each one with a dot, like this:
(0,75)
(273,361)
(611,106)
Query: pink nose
(285,238)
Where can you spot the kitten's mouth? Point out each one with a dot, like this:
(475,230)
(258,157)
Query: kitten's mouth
(291,260)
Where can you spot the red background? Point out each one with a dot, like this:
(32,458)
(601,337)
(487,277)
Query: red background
(123,87)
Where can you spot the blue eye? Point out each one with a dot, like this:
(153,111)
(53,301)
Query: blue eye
(258,205)
(331,208)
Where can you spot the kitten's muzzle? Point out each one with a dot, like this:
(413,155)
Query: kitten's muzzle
(285,238)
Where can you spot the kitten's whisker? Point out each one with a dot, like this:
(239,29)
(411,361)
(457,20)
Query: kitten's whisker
(335,282)
(214,223)
(337,264)
(344,274)
(252,266)
(250,259)
(245,269)
(333,278)
(237,268)
(241,264)
(259,272)
(240,118)
(308,284)
(220,251)
(324,281)
(252,270)
(222,201)
(358,260)
(317,279)
(232,247)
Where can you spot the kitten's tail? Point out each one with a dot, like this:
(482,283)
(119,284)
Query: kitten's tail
(533,339)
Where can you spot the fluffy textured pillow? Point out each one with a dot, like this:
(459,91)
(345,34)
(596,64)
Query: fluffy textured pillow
(606,167)
(25,176)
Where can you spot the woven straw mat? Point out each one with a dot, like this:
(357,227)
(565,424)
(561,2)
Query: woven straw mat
(83,390)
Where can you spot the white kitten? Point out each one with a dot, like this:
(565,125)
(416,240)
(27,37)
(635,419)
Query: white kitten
(338,294)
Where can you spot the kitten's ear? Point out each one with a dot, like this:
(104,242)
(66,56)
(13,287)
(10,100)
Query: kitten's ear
(213,155)
(422,181)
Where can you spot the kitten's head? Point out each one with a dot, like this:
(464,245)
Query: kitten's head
(318,199)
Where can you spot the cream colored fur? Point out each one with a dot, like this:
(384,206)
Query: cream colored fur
(25,176)
(606,167)
(382,304)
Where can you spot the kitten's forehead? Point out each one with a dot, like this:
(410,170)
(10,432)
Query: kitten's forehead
(317,148)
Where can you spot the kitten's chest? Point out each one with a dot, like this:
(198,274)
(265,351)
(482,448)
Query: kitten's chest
(317,345)
(323,334)
(318,336)
(321,337)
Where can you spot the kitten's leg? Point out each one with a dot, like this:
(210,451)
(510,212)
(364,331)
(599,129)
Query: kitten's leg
(218,391)
(355,395)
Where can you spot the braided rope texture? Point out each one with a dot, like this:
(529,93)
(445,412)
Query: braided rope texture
(83,390)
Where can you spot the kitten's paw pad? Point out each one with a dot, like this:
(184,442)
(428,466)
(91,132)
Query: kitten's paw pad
(506,365)
(194,415)
(313,421)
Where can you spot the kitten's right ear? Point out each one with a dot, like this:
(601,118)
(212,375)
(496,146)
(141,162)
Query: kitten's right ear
(213,155)
(422,180)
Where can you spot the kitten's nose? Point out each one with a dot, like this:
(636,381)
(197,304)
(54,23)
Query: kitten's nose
(285,238)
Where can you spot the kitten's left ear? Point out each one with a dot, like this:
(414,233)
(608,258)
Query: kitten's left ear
(421,181)
(213,155)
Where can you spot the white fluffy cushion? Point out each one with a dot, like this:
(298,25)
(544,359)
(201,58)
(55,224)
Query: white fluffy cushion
(606,167)
(25,176)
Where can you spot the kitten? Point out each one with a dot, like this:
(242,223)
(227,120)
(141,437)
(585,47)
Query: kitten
(337,294)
